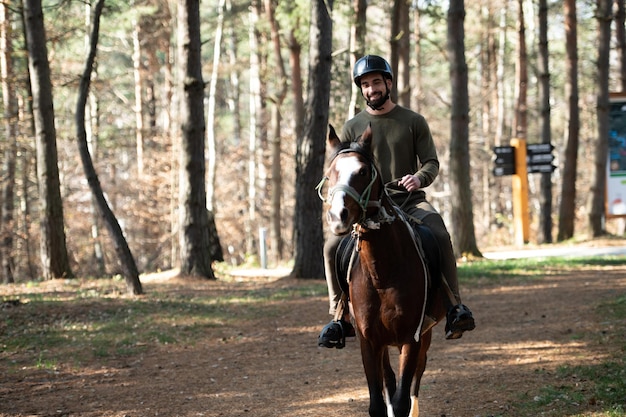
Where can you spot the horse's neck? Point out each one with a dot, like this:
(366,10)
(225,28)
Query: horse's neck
(384,242)
(382,213)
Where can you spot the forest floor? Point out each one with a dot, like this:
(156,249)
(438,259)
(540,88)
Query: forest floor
(270,365)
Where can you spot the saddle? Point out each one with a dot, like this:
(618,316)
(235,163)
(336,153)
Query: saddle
(425,241)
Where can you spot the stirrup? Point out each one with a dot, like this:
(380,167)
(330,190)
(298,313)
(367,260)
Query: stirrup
(458,320)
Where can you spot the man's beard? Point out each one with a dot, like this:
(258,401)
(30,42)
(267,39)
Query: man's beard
(378,103)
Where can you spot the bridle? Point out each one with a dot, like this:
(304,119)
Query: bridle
(363,199)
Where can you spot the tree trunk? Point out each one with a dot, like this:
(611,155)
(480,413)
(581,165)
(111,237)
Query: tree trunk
(500,88)
(276,241)
(253,140)
(488,83)
(54,257)
(620,37)
(138,78)
(211,145)
(416,90)
(400,53)
(520,124)
(308,234)
(598,186)
(195,257)
(464,238)
(357,50)
(234,91)
(567,208)
(10,114)
(91,132)
(170,127)
(129,268)
(545,199)
(295,50)
(210,120)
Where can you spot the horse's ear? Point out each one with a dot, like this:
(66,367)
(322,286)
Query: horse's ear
(333,140)
(365,140)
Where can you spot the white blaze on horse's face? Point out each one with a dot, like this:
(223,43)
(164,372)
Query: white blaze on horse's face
(338,215)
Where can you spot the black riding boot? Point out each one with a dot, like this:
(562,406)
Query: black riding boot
(334,334)
(458,320)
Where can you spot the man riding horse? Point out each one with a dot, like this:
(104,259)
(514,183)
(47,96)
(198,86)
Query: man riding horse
(407,157)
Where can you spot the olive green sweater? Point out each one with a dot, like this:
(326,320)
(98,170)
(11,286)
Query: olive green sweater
(402,144)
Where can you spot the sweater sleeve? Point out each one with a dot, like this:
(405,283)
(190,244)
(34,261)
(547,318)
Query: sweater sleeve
(427,154)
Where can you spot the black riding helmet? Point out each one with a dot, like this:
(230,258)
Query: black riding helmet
(370,63)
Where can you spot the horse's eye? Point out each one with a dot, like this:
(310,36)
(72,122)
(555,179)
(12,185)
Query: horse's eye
(363,172)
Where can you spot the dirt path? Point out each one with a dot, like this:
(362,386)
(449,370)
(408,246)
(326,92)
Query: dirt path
(272,367)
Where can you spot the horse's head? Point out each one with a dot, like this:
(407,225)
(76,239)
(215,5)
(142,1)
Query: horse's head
(352,181)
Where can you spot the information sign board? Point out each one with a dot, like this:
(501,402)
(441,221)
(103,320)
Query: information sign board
(505,161)
(616,163)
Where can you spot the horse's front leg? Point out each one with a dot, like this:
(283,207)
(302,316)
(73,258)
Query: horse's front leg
(390,376)
(372,357)
(422,358)
(401,401)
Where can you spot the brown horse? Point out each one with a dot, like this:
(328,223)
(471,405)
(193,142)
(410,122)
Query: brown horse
(389,289)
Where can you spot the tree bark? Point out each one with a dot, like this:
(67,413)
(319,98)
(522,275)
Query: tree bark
(545,198)
(620,37)
(138,78)
(567,208)
(195,258)
(500,81)
(357,50)
(10,115)
(400,52)
(464,238)
(280,92)
(254,131)
(129,268)
(598,186)
(416,91)
(92,124)
(210,119)
(310,148)
(520,124)
(53,249)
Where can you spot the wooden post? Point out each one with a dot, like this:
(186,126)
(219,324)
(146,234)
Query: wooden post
(521,216)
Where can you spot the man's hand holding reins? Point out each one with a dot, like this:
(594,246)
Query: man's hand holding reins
(410,182)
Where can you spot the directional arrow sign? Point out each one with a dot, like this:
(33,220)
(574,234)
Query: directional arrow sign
(505,155)
(539,148)
(501,171)
(539,158)
(541,168)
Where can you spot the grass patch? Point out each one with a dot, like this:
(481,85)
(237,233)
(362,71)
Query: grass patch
(527,269)
(597,390)
(82,324)
(87,322)
(600,388)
